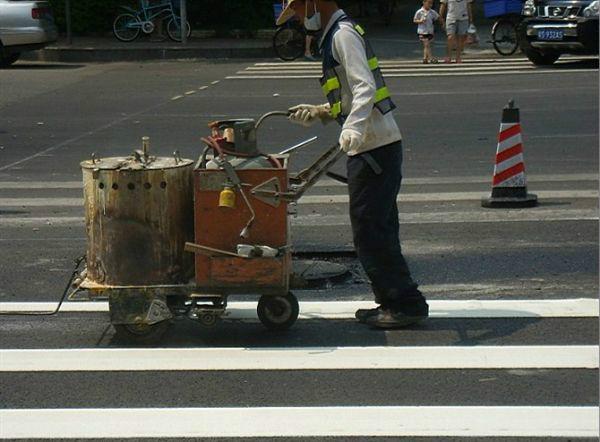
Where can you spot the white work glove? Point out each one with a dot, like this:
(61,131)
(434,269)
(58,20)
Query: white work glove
(350,140)
(307,114)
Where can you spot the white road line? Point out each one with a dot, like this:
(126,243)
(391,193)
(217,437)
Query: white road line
(472,179)
(526,308)
(401,62)
(387,66)
(190,92)
(309,358)
(327,182)
(292,422)
(215,82)
(445,196)
(177,97)
(476,216)
(324,199)
(419,74)
(387,71)
(201,88)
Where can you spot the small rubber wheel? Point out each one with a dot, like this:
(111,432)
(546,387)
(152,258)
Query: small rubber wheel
(141,333)
(278,312)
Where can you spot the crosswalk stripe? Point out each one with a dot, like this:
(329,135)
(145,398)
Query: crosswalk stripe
(388,71)
(522,308)
(310,358)
(349,421)
(388,66)
(403,62)
(323,199)
(470,217)
(23,185)
(418,74)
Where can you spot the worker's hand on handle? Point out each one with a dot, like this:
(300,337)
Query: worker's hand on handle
(350,140)
(307,114)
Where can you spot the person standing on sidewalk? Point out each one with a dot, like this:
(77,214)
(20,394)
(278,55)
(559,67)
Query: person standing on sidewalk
(458,20)
(425,18)
(360,102)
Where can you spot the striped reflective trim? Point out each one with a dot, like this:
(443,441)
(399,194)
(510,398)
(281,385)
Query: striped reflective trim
(336,109)
(382,94)
(373,63)
(330,85)
(359,29)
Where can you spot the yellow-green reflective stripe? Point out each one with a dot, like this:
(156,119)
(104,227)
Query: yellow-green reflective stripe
(373,63)
(330,85)
(336,109)
(382,94)
(359,29)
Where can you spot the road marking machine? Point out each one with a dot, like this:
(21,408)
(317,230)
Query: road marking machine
(169,237)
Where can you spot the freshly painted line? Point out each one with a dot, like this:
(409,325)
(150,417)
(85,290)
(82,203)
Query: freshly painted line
(446,196)
(190,92)
(292,422)
(474,179)
(420,74)
(401,62)
(328,182)
(323,199)
(388,71)
(177,97)
(388,66)
(526,308)
(310,358)
(475,216)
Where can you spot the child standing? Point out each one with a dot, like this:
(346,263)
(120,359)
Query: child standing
(424,18)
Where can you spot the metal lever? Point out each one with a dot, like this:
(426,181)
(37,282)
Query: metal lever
(305,179)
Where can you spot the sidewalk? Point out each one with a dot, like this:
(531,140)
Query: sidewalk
(388,42)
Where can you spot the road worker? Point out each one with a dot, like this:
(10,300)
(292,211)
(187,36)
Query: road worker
(360,102)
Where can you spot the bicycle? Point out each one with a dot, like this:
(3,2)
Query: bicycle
(128,26)
(504,29)
(289,41)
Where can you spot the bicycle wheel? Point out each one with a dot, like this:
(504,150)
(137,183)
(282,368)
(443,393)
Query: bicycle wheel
(504,37)
(289,43)
(174,29)
(126,27)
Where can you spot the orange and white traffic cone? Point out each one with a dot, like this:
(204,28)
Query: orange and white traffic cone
(509,185)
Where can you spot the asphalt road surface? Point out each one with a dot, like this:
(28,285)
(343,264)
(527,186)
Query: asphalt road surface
(511,349)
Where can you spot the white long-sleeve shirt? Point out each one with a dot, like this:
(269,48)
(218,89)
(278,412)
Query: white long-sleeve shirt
(358,89)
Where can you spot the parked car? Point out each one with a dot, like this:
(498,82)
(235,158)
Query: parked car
(24,26)
(550,28)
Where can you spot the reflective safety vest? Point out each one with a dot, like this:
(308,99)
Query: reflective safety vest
(330,82)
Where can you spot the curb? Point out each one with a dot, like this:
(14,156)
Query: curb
(75,55)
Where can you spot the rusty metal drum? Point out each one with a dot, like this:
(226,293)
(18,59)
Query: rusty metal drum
(138,214)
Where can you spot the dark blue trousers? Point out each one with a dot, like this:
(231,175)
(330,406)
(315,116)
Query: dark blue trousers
(373,185)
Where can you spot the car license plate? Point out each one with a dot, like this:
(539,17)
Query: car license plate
(550,34)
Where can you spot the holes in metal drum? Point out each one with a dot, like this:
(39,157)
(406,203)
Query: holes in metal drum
(115,186)
(163,184)
(131,186)
(147,186)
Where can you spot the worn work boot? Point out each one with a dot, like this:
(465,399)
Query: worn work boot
(387,318)
(363,313)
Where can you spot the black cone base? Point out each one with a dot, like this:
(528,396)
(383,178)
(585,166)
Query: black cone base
(529,200)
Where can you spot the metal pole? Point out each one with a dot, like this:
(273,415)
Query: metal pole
(68,18)
(183,15)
